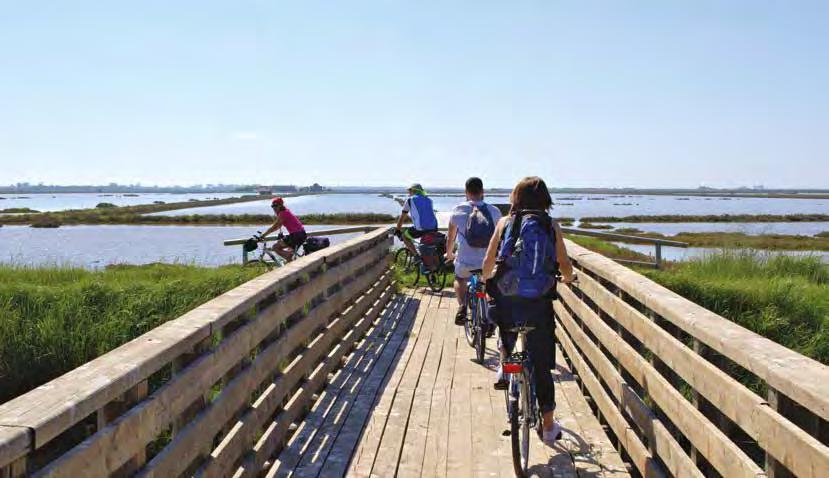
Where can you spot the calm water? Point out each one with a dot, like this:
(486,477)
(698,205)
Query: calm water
(754,228)
(62,202)
(566,206)
(690,253)
(98,246)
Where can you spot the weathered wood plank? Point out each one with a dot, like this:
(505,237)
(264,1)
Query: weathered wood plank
(639,455)
(363,459)
(351,428)
(389,452)
(352,323)
(459,453)
(46,409)
(804,380)
(733,399)
(677,462)
(437,435)
(414,441)
(276,431)
(723,454)
(593,446)
(312,436)
(15,442)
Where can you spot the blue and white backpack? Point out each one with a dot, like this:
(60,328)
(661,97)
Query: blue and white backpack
(527,262)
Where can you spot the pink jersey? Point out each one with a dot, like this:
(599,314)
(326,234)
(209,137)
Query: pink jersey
(290,222)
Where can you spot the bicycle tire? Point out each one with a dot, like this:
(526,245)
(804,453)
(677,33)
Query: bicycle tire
(480,335)
(437,279)
(469,323)
(403,259)
(516,424)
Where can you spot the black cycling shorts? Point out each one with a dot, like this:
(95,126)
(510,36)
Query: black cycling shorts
(296,239)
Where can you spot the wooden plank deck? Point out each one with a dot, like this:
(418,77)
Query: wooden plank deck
(410,401)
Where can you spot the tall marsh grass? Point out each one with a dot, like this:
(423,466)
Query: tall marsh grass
(53,319)
(783,298)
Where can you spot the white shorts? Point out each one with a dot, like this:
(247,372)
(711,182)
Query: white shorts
(464,271)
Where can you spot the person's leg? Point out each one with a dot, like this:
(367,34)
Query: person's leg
(409,243)
(461,278)
(283,250)
(541,345)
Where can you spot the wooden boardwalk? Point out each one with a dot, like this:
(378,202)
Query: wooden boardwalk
(409,401)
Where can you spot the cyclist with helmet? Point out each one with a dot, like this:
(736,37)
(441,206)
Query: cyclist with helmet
(422,212)
(296,231)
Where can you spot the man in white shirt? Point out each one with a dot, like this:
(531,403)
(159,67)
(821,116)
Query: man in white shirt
(471,226)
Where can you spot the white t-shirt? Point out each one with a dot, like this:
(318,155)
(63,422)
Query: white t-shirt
(472,257)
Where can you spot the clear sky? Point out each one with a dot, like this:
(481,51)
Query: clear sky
(583,93)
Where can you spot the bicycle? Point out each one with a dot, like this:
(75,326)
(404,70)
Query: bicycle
(476,324)
(522,408)
(267,258)
(435,275)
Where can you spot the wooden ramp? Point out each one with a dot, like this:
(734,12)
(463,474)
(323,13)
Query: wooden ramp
(410,401)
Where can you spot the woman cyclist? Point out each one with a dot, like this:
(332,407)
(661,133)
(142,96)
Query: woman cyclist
(530,197)
(296,231)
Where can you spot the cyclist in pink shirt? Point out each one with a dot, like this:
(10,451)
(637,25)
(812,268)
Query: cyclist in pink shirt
(296,231)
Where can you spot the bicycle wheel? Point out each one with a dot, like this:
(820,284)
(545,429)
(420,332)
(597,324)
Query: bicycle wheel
(469,324)
(403,259)
(520,428)
(437,279)
(480,334)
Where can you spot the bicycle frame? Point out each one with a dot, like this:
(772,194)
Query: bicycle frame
(515,366)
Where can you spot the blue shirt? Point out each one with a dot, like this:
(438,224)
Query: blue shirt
(422,212)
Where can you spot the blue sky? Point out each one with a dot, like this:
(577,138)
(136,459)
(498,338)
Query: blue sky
(614,93)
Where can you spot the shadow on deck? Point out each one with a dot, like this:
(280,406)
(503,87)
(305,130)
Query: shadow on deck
(410,401)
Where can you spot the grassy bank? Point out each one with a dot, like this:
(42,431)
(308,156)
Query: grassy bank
(712,218)
(116,216)
(55,319)
(785,299)
(739,240)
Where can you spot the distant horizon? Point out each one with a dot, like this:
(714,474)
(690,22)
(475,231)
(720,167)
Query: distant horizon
(222,187)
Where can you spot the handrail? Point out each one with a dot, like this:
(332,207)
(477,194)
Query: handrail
(274,338)
(323,232)
(663,371)
(623,237)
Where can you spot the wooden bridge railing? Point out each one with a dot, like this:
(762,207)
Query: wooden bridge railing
(669,380)
(212,393)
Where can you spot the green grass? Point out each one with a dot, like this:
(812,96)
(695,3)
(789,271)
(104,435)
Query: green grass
(783,298)
(18,210)
(53,319)
(779,242)
(608,249)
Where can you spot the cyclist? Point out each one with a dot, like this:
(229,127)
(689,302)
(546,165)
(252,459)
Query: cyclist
(472,225)
(422,212)
(286,246)
(520,300)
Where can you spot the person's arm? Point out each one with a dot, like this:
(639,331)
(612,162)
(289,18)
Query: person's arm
(564,264)
(400,220)
(492,250)
(274,227)
(451,235)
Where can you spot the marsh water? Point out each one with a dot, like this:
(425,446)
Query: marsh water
(97,246)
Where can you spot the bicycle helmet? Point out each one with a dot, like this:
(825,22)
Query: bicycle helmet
(277,202)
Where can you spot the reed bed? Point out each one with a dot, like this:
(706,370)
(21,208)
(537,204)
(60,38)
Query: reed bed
(53,319)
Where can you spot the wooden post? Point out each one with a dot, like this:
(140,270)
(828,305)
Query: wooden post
(658,255)
(773,468)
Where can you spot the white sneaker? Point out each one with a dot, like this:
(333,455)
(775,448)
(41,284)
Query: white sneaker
(552,435)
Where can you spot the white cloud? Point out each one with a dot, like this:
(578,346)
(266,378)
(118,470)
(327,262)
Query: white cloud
(245,136)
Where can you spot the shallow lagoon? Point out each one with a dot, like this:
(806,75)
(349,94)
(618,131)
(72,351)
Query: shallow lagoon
(99,246)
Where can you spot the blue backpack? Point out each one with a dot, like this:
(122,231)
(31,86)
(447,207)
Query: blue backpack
(479,226)
(527,263)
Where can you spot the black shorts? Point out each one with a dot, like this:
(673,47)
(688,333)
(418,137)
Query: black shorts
(417,233)
(295,239)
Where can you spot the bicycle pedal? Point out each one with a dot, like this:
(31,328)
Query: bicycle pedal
(506,433)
